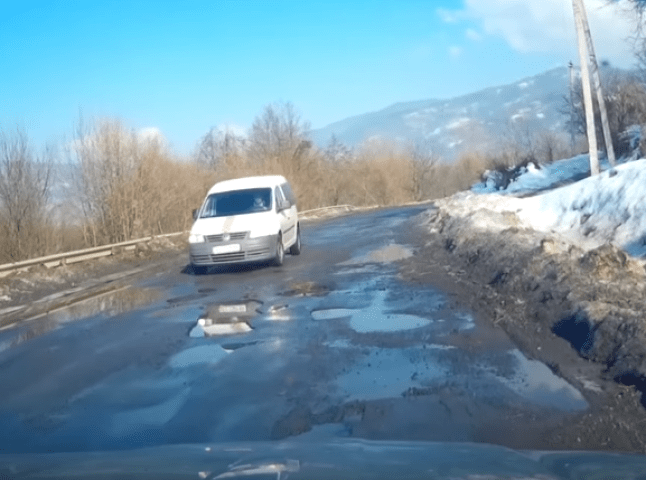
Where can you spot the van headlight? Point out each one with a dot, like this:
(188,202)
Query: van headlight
(195,238)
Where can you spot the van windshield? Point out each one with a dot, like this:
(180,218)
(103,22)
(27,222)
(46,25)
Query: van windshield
(237,202)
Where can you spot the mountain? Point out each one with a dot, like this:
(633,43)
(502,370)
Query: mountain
(462,123)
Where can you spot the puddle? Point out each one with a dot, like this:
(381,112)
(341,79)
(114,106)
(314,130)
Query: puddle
(387,254)
(356,270)
(387,373)
(238,345)
(279,313)
(339,343)
(108,304)
(199,330)
(203,354)
(536,382)
(307,289)
(468,322)
(226,319)
(373,318)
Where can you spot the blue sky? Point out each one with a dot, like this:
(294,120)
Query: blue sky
(183,67)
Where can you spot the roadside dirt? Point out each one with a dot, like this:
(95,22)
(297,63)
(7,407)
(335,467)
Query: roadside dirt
(581,313)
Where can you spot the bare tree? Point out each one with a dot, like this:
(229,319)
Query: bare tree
(24,191)
(423,170)
(130,186)
(108,161)
(336,151)
(220,148)
(625,98)
(276,134)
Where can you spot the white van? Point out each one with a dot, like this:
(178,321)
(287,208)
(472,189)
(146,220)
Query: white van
(248,219)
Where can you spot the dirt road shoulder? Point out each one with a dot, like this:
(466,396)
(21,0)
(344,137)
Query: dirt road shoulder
(579,312)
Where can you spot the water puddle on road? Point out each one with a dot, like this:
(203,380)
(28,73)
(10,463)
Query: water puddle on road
(203,354)
(374,318)
(108,303)
(387,254)
(226,319)
(386,373)
(473,358)
(390,373)
(536,382)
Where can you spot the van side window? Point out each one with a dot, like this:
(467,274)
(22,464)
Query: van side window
(289,193)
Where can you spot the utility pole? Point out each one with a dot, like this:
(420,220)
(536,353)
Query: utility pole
(572,119)
(594,66)
(587,56)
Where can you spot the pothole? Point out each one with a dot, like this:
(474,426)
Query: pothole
(389,253)
(374,318)
(203,354)
(387,373)
(226,319)
(307,289)
(534,381)
(279,313)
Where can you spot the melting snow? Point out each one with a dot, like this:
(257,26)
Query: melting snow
(460,122)
(609,207)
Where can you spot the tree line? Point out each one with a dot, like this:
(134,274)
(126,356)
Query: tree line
(125,186)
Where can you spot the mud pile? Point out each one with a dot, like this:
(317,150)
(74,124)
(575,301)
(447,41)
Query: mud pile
(545,291)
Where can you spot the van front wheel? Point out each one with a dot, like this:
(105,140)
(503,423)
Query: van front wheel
(296,248)
(280,252)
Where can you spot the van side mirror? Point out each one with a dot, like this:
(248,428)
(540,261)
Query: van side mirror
(284,205)
(195,210)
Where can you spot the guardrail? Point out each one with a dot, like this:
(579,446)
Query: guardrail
(112,249)
(80,255)
(312,213)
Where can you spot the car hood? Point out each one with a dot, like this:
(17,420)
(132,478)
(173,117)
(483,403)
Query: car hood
(236,223)
(304,458)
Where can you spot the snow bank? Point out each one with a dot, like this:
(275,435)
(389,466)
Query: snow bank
(533,179)
(608,208)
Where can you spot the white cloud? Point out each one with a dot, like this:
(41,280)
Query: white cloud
(471,34)
(548,26)
(449,16)
(455,51)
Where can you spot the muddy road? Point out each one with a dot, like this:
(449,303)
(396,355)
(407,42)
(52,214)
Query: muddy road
(337,341)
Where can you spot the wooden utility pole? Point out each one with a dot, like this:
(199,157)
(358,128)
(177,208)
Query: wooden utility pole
(587,93)
(587,57)
(596,78)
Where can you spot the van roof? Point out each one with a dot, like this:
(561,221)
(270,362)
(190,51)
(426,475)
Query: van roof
(248,182)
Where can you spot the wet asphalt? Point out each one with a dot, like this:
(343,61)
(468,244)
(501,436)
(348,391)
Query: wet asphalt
(335,341)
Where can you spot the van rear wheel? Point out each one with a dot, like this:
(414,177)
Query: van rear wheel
(280,252)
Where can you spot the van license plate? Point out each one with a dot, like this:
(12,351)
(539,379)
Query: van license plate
(234,247)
